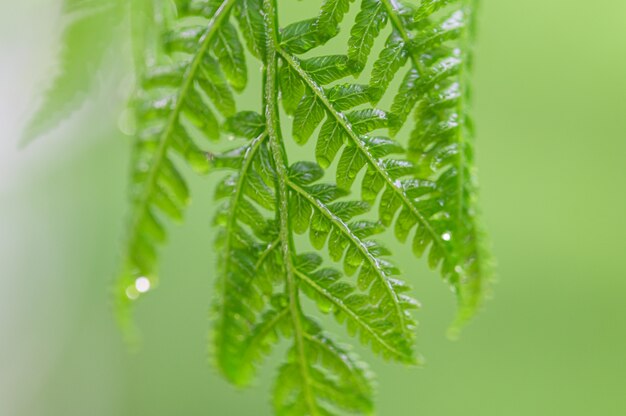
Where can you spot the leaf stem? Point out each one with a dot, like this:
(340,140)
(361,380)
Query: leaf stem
(280,160)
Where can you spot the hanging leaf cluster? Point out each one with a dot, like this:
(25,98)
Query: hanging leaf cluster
(294,236)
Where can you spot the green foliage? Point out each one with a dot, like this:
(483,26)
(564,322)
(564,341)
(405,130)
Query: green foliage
(173,106)
(191,62)
(91,28)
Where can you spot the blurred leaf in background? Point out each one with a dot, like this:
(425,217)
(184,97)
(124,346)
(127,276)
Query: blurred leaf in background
(90,28)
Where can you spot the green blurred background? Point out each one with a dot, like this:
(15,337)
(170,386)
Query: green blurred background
(550,91)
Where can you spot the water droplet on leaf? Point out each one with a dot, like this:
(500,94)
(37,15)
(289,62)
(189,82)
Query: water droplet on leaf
(142,284)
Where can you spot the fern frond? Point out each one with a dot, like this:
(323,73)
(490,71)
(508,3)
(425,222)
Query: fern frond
(259,257)
(391,332)
(319,377)
(435,38)
(171,112)
(192,60)
(337,382)
(438,38)
(389,176)
(370,312)
(273,325)
(246,275)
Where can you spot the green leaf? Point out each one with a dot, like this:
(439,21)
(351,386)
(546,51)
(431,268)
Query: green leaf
(368,120)
(331,139)
(246,272)
(350,164)
(301,37)
(406,99)
(335,380)
(291,89)
(305,173)
(170,112)
(450,28)
(231,56)
(252,26)
(245,124)
(85,41)
(212,82)
(326,69)
(308,116)
(369,22)
(391,59)
(331,15)
(347,96)
(428,216)
(334,219)
(429,7)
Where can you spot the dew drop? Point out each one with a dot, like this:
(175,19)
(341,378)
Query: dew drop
(132,293)
(142,284)
(446,236)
